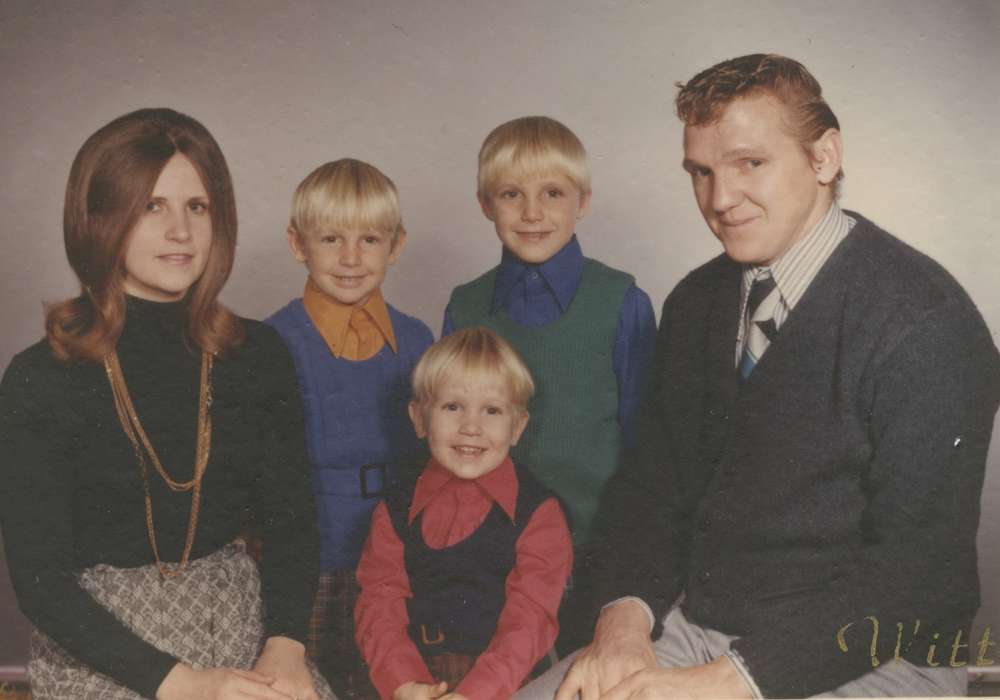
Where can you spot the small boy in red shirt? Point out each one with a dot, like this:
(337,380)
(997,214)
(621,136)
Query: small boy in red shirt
(463,570)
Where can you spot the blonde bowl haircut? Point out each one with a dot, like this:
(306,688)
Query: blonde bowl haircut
(347,195)
(477,352)
(531,147)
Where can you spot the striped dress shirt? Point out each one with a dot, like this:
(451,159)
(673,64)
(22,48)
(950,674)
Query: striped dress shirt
(794,271)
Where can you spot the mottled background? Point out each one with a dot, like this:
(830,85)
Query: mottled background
(415,86)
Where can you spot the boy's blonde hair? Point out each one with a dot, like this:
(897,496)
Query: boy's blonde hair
(347,194)
(477,351)
(532,146)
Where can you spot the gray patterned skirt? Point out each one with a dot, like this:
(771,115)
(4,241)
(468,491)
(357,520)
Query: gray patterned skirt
(210,616)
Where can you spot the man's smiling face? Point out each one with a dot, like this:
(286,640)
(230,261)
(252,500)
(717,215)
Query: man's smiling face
(759,190)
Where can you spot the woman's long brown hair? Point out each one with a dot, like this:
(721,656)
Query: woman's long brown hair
(111,181)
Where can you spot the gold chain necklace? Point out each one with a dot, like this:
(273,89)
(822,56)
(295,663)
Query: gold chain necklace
(133,429)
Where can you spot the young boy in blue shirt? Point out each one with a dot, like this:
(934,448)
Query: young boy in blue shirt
(585,330)
(353,354)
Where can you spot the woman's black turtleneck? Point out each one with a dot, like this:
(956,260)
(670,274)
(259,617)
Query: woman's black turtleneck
(72,495)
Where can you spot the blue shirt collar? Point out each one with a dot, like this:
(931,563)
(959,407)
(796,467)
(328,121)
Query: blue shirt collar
(561,273)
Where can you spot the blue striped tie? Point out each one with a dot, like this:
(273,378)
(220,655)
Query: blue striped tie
(760,326)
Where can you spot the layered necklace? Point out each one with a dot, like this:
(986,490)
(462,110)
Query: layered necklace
(145,453)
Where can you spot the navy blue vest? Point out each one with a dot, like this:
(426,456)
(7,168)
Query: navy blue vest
(355,415)
(458,591)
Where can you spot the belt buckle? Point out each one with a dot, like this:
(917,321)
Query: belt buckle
(363,474)
(430,642)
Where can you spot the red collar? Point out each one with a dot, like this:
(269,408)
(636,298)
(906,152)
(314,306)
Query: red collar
(498,486)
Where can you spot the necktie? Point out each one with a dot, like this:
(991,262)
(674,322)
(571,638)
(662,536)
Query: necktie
(760,327)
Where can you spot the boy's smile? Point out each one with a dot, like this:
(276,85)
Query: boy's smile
(535,216)
(346,265)
(470,424)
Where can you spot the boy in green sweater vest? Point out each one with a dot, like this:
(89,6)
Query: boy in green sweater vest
(585,330)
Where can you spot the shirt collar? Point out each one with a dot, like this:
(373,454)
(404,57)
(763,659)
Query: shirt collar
(797,267)
(331,317)
(498,485)
(561,273)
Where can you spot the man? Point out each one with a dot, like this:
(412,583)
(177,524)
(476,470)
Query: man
(813,448)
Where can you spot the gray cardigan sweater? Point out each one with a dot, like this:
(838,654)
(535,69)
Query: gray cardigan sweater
(841,480)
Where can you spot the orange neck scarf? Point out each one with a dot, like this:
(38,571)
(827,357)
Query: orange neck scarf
(352,332)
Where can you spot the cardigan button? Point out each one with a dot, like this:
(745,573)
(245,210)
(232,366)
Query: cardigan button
(704,577)
(704,524)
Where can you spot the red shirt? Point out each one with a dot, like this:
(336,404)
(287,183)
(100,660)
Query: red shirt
(453,508)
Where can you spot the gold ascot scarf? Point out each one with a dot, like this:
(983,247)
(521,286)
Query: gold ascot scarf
(351,332)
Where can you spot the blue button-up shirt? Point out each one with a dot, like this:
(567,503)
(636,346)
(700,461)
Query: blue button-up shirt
(536,295)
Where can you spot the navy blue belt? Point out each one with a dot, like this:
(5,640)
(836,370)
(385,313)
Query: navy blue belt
(366,481)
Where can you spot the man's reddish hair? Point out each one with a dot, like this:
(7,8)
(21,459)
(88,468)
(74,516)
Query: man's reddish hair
(703,99)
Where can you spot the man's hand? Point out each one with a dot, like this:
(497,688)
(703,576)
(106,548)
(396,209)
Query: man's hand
(717,679)
(420,691)
(284,660)
(621,647)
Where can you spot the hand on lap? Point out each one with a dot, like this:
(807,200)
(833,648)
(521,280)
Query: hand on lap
(186,683)
(717,679)
(284,660)
(420,691)
(621,647)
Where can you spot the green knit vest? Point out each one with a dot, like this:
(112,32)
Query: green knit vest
(573,438)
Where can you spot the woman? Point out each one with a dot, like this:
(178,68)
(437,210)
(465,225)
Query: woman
(139,437)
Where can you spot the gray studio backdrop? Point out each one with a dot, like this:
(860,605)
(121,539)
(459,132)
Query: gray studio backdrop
(415,86)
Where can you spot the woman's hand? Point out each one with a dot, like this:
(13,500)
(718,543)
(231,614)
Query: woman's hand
(284,660)
(186,683)
(420,691)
